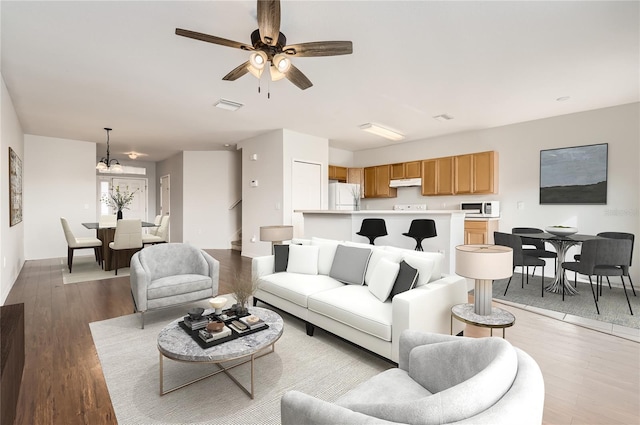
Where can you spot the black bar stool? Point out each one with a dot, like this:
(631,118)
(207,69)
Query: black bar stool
(372,228)
(421,229)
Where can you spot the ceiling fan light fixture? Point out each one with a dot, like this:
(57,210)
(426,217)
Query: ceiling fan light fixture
(275,74)
(258,59)
(382,131)
(281,62)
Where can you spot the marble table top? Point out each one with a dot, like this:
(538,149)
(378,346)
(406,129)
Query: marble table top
(176,344)
(498,318)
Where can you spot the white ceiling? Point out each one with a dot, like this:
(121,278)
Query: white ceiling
(75,67)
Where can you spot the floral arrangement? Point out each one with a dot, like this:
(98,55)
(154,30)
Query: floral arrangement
(243,289)
(118,200)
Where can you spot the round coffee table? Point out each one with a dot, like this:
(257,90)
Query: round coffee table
(499,318)
(176,344)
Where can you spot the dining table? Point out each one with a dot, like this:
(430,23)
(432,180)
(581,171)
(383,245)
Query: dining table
(106,233)
(561,243)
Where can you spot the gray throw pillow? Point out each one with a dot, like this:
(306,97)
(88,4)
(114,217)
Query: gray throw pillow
(281,258)
(350,264)
(407,278)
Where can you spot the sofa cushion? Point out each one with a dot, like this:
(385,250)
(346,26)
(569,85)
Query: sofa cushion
(378,253)
(437,257)
(407,277)
(176,285)
(327,250)
(423,265)
(350,264)
(383,278)
(303,259)
(295,287)
(355,306)
(281,258)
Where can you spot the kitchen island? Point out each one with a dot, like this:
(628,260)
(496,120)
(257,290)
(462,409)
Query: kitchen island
(343,225)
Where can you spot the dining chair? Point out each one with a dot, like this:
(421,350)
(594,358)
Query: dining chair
(519,259)
(421,229)
(74,243)
(602,257)
(156,221)
(373,228)
(127,241)
(539,250)
(162,234)
(109,220)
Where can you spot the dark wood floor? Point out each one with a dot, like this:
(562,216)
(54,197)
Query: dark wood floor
(62,381)
(590,377)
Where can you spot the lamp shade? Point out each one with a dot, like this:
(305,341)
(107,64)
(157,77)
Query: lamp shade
(276,233)
(484,262)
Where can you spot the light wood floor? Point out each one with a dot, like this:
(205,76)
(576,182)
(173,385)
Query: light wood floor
(590,377)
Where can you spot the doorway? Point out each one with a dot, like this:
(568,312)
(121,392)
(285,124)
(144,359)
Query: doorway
(306,192)
(165,200)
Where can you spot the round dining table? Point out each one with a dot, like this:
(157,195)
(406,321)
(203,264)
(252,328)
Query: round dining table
(561,243)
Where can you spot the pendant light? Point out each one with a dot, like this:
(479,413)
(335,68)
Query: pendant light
(106,164)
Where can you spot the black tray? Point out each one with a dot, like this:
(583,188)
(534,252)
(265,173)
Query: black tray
(234,334)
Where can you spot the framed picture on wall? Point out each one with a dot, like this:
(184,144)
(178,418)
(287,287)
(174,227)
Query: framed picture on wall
(575,175)
(15,188)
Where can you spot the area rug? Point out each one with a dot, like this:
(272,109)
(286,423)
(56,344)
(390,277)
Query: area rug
(613,304)
(323,366)
(85,269)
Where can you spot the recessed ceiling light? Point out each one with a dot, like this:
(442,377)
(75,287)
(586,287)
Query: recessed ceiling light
(228,105)
(135,155)
(443,117)
(563,98)
(382,131)
(226,145)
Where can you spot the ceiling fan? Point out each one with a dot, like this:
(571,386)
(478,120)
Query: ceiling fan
(268,44)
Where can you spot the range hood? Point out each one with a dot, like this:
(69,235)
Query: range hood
(405,182)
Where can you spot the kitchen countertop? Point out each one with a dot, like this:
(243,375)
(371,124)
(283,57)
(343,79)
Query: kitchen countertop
(379,212)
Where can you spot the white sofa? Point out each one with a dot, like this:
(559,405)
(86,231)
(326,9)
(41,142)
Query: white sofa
(355,311)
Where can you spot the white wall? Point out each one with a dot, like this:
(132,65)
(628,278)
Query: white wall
(12,254)
(259,204)
(59,181)
(341,157)
(209,191)
(519,148)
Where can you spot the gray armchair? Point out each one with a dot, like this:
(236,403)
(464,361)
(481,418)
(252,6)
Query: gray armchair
(169,274)
(440,379)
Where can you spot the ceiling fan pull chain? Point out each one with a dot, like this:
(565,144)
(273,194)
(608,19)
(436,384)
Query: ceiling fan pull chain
(268,88)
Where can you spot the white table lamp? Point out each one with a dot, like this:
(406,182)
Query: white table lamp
(276,234)
(484,263)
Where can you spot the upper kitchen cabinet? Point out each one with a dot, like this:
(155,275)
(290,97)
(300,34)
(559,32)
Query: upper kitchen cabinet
(438,176)
(376,182)
(485,172)
(338,173)
(405,170)
(464,174)
(356,176)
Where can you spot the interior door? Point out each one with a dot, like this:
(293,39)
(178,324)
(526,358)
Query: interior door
(306,187)
(165,199)
(138,207)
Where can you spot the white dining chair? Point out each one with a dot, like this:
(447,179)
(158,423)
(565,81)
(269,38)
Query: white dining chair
(107,221)
(161,236)
(126,241)
(74,243)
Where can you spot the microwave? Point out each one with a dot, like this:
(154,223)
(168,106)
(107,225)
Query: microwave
(481,209)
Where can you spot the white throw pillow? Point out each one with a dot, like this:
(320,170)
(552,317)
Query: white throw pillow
(437,257)
(383,278)
(376,255)
(327,250)
(303,259)
(423,265)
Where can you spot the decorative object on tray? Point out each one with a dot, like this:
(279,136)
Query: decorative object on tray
(243,289)
(195,324)
(195,313)
(217,304)
(252,321)
(214,327)
(207,336)
(561,230)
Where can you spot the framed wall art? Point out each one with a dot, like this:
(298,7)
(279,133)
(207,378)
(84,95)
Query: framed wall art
(15,188)
(575,175)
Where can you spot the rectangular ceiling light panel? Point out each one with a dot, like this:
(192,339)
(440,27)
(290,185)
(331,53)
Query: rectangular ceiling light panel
(382,131)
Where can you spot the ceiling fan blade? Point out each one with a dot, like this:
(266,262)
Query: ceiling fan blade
(298,78)
(319,48)
(269,21)
(238,72)
(212,39)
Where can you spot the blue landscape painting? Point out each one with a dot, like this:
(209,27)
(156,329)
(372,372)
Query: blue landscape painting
(575,175)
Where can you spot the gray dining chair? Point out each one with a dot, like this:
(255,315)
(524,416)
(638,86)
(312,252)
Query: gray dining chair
(602,257)
(539,249)
(519,259)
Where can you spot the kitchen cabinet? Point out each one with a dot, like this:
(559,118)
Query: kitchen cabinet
(438,177)
(356,176)
(338,173)
(406,170)
(376,182)
(479,232)
(464,174)
(485,172)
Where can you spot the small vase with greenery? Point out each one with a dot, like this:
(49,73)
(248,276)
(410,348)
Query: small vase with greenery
(243,289)
(118,199)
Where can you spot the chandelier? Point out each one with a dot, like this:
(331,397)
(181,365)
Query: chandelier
(107,165)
